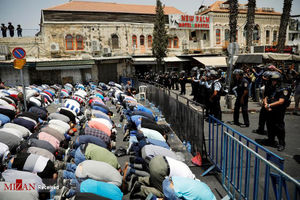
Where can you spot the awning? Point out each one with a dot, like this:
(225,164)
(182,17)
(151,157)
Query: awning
(296,57)
(64,67)
(213,61)
(175,59)
(144,61)
(257,58)
(152,60)
(65,63)
(253,59)
(277,56)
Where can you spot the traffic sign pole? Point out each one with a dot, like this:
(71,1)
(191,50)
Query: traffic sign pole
(19,62)
(23,87)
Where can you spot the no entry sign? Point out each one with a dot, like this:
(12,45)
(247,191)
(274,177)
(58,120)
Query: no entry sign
(19,53)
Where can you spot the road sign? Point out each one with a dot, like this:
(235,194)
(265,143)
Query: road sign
(19,63)
(19,53)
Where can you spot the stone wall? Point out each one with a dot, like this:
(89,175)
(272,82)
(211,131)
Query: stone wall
(32,45)
(11,76)
(101,33)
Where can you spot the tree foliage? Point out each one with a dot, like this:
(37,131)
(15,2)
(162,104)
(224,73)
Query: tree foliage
(160,38)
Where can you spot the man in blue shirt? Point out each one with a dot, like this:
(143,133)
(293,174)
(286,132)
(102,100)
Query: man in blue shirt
(186,188)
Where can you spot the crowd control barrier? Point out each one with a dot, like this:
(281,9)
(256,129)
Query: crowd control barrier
(248,169)
(186,121)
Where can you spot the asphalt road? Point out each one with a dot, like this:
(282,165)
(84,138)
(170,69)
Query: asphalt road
(292,139)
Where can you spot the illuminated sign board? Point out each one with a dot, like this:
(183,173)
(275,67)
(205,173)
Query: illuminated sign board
(200,22)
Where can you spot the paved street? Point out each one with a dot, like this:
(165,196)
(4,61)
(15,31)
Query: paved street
(292,127)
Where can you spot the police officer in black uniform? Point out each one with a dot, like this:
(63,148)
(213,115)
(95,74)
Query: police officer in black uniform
(241,99)
(276,102)
(214,95)
(182,82)
(263,112)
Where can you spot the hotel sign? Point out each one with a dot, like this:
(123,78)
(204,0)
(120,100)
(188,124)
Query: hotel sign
(199,22)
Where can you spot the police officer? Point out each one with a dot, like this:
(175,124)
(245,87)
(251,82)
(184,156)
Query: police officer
(182,82)
(193,82)
(263,112)
(214,95)
(201,88)
(207,87)
(241,99)
(276,102)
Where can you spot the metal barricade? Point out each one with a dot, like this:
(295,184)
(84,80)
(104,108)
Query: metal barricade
(185,120)
(247,174)
(241,170)
(216,130)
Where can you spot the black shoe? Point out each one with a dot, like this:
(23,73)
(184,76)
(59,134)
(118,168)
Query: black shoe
(67,183)
(244,125)
(237,123)
(280,148)
(267,142)
(131,160)
(121,118)
(132,181)
(260,132)
(135,189)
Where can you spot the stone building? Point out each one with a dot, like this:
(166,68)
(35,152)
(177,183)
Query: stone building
(267,23)
(82,41)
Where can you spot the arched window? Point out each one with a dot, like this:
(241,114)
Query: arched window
(175,42)
(79,42)
(267,36)
(115,41)
(218,36)
(142,40)
(170,43)
(134,41)
(69,42)
(149,41)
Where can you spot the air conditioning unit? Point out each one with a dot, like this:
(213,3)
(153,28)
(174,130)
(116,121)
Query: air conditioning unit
(96,47)
(4,50)
(2,57)
(106,52)
(54,47)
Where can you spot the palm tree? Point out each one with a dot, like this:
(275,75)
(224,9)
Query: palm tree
(233,13)
(250,23)
(284,20)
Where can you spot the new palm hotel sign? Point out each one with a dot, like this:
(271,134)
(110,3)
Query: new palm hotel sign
(200,22)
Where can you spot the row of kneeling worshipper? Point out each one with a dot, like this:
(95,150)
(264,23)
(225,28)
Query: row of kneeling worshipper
(154,171)
(70,149)
(60,153)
